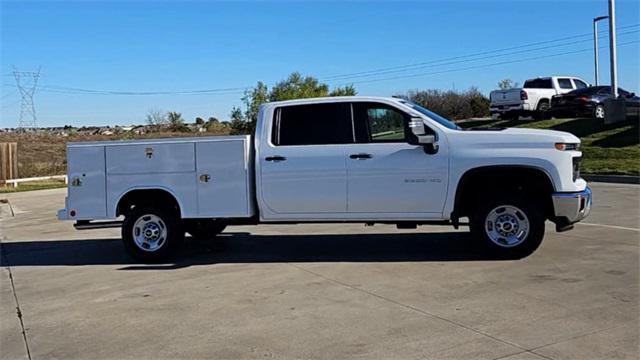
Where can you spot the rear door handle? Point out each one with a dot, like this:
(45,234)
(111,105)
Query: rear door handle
(360,156)
(275,158)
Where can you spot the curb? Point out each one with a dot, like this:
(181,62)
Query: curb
(616,179)
(6,210)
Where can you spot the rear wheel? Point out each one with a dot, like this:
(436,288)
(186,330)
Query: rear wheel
(508,227)
(542,111)
(151,234)
(598,112)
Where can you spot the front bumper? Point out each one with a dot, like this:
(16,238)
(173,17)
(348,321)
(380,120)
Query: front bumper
(571,207)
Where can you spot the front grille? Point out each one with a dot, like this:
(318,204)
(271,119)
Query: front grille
(576,168)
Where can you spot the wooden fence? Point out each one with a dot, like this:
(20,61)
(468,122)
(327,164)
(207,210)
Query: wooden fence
(8,161)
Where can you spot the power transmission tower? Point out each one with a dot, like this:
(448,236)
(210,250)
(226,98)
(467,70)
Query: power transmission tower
(27,81)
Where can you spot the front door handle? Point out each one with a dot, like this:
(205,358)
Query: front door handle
(205,177)
(275,158)
(360,156)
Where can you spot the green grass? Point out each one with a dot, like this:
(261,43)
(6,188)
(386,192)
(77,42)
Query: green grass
(389,135)
(607,149)
(34,185)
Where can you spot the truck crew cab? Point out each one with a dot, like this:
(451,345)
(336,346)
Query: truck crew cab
(533,99)
(338,159)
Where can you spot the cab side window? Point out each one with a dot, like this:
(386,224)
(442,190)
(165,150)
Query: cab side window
(565,83)
(579,84)
(313,124)
(376,122)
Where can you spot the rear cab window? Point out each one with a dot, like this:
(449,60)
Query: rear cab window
(312,124)
(538,84)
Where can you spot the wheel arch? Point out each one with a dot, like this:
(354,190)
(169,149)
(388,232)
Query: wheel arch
(153,196)
(541,100)
(488,178)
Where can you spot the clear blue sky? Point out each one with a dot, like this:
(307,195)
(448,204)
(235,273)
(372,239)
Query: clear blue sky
(174,46)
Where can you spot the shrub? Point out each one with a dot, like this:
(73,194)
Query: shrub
(452,104)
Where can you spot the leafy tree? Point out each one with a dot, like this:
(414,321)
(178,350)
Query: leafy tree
(348,90)
(238,123)
(452,104)
(295,86)
(213,120)
(478,103)
(199,121)
(506,84)
(176,123)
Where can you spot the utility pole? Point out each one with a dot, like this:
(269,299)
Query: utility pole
(612,49)
(595,45)
(27,81)
(614,108)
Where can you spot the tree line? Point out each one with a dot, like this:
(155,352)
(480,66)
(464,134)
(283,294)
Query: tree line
(451,104)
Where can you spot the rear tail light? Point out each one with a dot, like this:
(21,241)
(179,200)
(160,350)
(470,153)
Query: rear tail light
(583,98)
(523,95)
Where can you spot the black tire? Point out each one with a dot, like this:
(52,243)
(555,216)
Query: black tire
(171,229)
(542,111)
(205,228)
(525,247)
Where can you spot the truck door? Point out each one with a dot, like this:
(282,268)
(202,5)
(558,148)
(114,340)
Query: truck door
(388,175)
(303,167)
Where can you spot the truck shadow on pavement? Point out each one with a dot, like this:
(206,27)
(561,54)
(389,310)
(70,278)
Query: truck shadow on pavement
(246,248)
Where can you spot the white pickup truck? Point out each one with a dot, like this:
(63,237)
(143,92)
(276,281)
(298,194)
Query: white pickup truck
(533,99)
(339,159)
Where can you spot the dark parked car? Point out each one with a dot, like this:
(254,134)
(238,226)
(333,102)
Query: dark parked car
(590,102)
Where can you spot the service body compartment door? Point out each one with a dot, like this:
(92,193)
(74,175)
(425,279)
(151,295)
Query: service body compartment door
(86,173)
(151,158)
(223,175)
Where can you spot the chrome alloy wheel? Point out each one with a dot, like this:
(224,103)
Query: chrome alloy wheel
(507,226)
(149,232)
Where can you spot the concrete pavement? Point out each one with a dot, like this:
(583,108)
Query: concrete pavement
(320,291)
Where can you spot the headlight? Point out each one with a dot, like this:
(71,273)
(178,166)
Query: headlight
(576,168)
(567,146)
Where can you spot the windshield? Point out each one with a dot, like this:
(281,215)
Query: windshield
(433,116)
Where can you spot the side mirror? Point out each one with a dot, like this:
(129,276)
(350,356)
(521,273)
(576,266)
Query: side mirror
(420,137)
(632,95)
(427,139)
(417,126)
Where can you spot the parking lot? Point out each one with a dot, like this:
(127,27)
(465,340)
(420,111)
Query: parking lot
(320,291)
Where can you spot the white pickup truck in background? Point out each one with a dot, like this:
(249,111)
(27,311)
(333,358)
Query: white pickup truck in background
(533,98)
(339,159)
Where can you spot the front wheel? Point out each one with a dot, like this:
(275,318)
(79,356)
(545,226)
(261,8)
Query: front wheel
(150,234)
(509,227)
